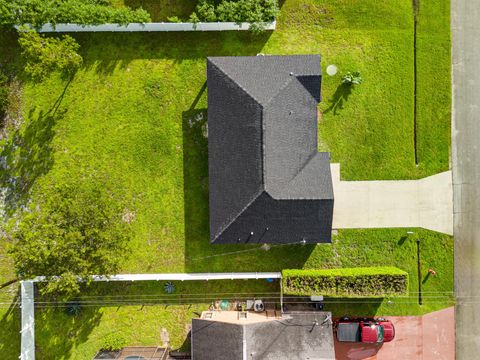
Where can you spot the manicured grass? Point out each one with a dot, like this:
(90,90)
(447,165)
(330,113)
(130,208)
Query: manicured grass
(161,10)
(433,86)
(131,313)
(129,308)
(126,114)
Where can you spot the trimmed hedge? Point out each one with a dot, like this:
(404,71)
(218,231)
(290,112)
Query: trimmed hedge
(347,282)
(84,12)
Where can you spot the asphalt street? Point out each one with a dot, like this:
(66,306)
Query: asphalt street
(466,173)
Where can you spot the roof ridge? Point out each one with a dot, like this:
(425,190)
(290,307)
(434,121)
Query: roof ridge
(224,228)
(300,172)
(311,157)
(236,83)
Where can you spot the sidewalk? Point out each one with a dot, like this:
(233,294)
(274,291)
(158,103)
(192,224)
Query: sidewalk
(426,203)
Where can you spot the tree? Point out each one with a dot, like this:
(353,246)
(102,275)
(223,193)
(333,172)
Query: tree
(44,55)
(75,231)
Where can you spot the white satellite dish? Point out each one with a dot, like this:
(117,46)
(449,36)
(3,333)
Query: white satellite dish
(331,70)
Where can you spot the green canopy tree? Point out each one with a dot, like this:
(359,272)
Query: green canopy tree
(75,231)
(44,55)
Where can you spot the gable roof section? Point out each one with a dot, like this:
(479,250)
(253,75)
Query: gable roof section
(262,120)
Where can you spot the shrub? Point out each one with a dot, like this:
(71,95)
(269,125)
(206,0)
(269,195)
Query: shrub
(256,12)
(44,55)
(347,282)
(206,10)
(85,12)
(174,19)
(352,78)
(113,342)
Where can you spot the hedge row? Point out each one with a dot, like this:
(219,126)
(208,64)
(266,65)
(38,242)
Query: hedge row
(85,12)
(252,11)
(347,282)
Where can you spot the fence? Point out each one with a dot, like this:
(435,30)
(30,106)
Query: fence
(151,27)
(27,292)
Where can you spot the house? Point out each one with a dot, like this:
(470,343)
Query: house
(296,336)
(268,182)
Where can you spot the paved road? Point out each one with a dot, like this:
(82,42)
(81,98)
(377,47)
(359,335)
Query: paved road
(466,173)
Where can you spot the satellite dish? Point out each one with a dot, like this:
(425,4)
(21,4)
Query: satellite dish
(332,70)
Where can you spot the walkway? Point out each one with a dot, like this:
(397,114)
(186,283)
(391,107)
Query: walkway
(426,203)
(428,337)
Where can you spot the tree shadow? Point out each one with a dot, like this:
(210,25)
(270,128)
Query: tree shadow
(339,98)
(10,330)
(28,154)
(57,333)
(105,52)
(200,254)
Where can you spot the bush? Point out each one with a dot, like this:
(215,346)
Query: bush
(84,12)
(174,19)
(44,55)
(352,78)
(257,12)
(113,342)
(206,10)
(348,282)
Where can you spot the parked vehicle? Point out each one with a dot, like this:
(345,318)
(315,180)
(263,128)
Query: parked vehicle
(365,330)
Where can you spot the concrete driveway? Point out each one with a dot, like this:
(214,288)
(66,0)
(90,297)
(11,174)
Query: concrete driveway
(428,337)
(426,203)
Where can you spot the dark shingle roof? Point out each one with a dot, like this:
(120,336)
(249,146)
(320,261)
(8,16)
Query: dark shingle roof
(294,337)
(266,176)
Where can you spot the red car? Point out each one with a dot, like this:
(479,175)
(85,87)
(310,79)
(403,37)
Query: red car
(365,330)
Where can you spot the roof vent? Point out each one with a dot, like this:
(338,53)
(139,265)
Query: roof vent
(291,73)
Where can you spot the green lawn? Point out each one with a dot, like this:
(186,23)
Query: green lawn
(126,114)
(139,310)
(433,90)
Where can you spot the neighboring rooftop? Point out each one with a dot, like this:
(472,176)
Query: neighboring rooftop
(268,182)
(301,336)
